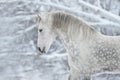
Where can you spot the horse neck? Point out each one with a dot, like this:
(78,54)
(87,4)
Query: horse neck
(70,39)
(77,32)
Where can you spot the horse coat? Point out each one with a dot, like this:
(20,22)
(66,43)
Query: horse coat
(89,51)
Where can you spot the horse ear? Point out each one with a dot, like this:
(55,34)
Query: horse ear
(38,19)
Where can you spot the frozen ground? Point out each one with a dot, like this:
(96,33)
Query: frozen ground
(19,59)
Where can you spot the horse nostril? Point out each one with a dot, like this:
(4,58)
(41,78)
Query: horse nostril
(39,49)
(42,51)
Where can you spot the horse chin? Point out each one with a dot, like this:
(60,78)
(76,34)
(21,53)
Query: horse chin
(41,53)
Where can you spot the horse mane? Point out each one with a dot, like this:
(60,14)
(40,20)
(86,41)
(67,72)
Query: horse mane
(69,23)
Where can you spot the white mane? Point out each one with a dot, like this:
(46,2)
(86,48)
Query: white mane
(69,23)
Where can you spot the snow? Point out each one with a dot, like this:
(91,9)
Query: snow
(19,58)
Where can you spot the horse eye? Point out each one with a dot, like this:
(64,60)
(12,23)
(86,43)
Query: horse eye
(40,30)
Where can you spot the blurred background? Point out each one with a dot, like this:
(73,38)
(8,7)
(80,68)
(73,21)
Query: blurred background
(19,58)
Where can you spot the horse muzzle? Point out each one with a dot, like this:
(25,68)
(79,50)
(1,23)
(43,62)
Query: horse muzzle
(42,50)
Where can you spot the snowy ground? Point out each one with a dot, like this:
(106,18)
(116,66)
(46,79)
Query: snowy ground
(19,59)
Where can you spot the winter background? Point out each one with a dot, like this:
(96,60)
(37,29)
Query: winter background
(19,57)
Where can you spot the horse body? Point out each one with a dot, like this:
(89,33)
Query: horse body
(91,56)
(89,51)
(98,54)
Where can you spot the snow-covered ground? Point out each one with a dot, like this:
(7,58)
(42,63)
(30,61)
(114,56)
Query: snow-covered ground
(19,58)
